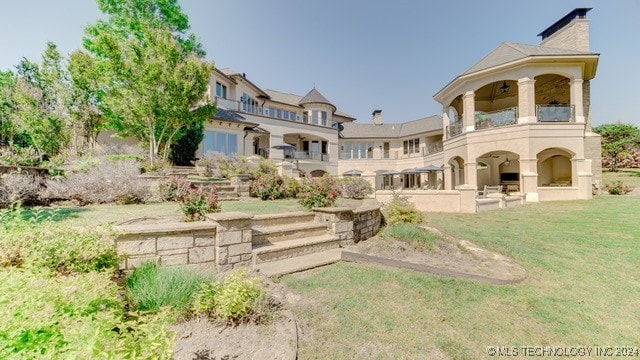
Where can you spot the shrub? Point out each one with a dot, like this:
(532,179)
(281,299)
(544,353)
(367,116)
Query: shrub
(318,192)
(18,187)
(198,202)
(291,187)
(151,287)
(109,182)
(355,187)
(418,237)
(234,298)
(401,211)
(268,187)
(618,188)
(55,246)
(219,165)
(20,156)
(172,188)
(74,317)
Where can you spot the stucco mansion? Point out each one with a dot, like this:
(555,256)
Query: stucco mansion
(517,121)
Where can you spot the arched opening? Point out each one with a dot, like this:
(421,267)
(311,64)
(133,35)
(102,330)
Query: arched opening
(499,168)
(553,98)
(496,104)
(318,173)
(555,168)
(454,112)
(261,145)
(457,171)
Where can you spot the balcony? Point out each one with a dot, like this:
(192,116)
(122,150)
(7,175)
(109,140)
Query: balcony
(238,106)
(504,117)
(310,155)
(555,113)
(454,129)
(433,148)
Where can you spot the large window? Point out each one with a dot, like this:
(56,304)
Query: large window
(357,150)
(249,104)
(411,146)
(220,142)
(280,114)
(319,118)
(221,90)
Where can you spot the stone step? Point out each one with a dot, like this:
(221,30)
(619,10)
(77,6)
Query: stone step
(299,263)
(292,248)
(273,234)
(282,219)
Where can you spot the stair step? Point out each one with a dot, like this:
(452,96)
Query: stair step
(297,247)
(272,234)
(299,263)
(282,219)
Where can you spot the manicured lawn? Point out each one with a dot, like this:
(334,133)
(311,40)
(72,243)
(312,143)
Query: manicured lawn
(582,288)
(628,176)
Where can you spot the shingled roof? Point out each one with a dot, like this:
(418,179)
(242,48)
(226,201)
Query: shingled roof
(314,96)
(508,52)
(354,130)
(293,99)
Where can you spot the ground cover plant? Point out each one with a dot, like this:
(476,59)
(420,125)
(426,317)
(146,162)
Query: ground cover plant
(581,290)
(630,177)
(412,234)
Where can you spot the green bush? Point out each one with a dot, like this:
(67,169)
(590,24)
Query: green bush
(618,188)
(355,187)
(54,246)
(268,187)
(198,202)
(74,317)
(318,192)
(401,211)
(418,237)
(151,287)
(236,297)
(291,187)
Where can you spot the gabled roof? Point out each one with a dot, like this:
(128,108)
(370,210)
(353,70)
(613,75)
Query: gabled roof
(314,96)
(354,130)
(294,100)
(230,73)
(508,52)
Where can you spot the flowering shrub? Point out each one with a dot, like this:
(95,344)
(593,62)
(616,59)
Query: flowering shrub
(268,187)
(355,187)
(172,188)
(198,202)
(318,192)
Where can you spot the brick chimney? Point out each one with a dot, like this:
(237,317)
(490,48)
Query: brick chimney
(570,33)
(377,117)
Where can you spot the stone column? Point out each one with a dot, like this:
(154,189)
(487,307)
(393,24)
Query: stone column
(529,174)
(446,174)
(469,106)
(576,99)
(526,100)
(233,243)
(467,199)
(471,174)
(585,179)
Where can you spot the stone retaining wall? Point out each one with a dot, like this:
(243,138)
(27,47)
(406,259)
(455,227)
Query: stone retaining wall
(352,225)
(169,244)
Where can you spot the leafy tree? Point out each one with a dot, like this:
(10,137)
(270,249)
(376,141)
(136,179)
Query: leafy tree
(39,97)
(185,145)
(7,84)
(617,139)
(154,75)
(84,105)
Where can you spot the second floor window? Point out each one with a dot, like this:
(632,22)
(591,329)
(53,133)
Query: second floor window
(411,146)
(221,90)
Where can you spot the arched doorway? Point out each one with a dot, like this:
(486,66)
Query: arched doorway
(457,171)
(555,168)
(318,173)
(499,168)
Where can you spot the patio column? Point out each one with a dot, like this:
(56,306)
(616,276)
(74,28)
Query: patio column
(529,174)
(276,154)
(469,108)
(471,174)
(447,177)
(575,87)
(526,101)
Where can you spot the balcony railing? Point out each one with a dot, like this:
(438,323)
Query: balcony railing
(454,129)
(344,155)
(555,113)
(504,117)
(234,105)
(433,148)
(311,155)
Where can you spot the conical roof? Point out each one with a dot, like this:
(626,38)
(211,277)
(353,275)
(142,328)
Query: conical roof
(314,96)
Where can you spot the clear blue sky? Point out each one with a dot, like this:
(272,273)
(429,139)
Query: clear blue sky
(362,54)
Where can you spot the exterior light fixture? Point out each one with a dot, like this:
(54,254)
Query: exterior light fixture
(504,88)
(507,162)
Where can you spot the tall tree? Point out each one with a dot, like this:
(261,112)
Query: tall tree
(39,112)
(617,139)
(7,84)
(153,72)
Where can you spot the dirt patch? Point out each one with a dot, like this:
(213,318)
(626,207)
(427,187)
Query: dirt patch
(452,254)
(205,339)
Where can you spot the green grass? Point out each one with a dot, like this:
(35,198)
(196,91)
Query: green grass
(151,287)
(630,177)
(583,285)
(412,234)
